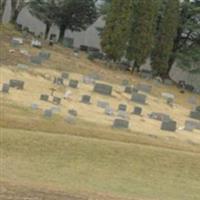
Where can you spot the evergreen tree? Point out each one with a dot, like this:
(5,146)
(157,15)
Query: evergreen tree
(167,32)
(115,34)
(141,38)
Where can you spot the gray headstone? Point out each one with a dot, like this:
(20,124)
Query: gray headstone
(128,89)
(57,100)
(122,107)
(72,112)
(44,55)
(137,111)
(48,113)
(36,60)
(44,97)
(195,115)
(18,84)
(34,106)
(103,104)
(144,88)
(5,88)
(65,75)
(139,98)
(159,116)
(86,99)
(198,109)
(103,89)
(121,124)
(168,126)
(191,125)
(58,81)
(125,82)
(73,83)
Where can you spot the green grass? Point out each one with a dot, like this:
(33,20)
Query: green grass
(81,165)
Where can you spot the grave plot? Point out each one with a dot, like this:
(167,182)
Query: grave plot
(103,89)
(73,84)
(58,81)
(159,116)
(5,88)
(44,97)
(73,112)
(18,84)
(169,126)
(144,88)
(44,55)
(122,107)
(48,113)
(56,100)
(64,75)
(139,98)
(36,60)
(191,125)
(137,111)
(86,99)
(120,124)
(102,104)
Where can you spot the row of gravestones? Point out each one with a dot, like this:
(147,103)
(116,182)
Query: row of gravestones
(18,84)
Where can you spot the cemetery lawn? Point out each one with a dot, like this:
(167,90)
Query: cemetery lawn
(87,166)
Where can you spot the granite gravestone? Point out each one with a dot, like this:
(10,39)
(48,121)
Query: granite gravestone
(169,126)
(102,104)
(44,55)
(125,82)
(88,80)
(44,97)
(5,88)
(128,89)
(103,89)
(139,98)
(73,84)
(121,124)
(159,116)
(18,84)
(137,111)
(56,100)
(36,60)
(144,88)
(58,81)
(73,112)
(196,113)
(86,99)
(65,75)
(122,107)
(191,125)
(47,113)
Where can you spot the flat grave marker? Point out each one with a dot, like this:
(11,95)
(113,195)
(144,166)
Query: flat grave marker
(139,98)
(18,84)
(121,124)
(86,99)
(5,88)
(144,87)
(44,97)
(73,84)
(169,126)
(57,100)
(103,89)
(137,111)
(48,113)
(122,107)
(102,104)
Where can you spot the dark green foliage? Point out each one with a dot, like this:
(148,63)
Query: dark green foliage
(75,15)
(141,39)
(167,31)
(115,33)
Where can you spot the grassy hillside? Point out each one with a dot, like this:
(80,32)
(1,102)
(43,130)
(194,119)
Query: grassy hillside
(50,159)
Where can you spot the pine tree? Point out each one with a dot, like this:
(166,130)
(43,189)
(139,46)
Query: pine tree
(167,32)
(115,34)
(141,38)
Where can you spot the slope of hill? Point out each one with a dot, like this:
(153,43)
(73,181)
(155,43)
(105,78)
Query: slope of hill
(89,159)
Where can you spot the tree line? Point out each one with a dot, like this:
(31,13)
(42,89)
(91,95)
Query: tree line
(163,30)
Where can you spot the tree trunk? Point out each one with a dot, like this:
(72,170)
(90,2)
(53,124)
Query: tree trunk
(14,16)
(2,7)
(48,26)
(135,67)
(62,33)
